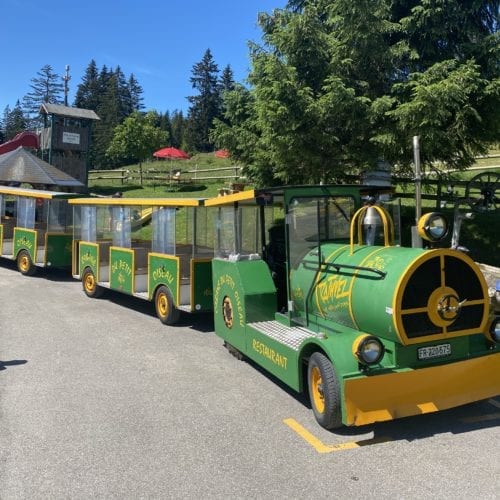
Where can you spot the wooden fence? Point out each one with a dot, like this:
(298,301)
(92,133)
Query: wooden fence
(176,176)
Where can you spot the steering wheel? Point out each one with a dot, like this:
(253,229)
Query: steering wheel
(480,192)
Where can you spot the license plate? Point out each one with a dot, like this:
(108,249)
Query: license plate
(434,351)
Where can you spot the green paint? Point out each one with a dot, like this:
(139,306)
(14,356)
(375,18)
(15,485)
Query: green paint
(163,270)
(121,275)
(89,257)
(243,292)
(58,250)
(201,283)
(25,239)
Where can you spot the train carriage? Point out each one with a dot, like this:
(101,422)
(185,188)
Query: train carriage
(35,228)
(155,249)
(309,284)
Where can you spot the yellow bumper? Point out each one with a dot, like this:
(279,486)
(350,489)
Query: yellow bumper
(402,394)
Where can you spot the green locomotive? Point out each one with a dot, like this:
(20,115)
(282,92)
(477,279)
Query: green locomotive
(308,283)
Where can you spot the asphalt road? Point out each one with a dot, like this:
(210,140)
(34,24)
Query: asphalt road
(99,400)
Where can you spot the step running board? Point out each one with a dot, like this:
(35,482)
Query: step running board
(291,336)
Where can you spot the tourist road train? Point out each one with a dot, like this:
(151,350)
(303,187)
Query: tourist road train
(310,282)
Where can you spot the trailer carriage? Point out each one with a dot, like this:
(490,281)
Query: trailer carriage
(155,249)
(35,228)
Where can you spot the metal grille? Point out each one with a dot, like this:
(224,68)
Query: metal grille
(442,271)
(290,336)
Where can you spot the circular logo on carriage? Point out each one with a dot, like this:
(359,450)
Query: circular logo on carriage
(227,312)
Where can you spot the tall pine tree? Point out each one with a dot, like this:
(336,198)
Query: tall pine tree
(46,87)
(338,84)
(205,106)
(87,93)
(13,121)
(136,91)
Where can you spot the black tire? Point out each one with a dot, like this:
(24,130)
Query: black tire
(166,311)
(234,352)
(90,286)
(25,264)
(324,391)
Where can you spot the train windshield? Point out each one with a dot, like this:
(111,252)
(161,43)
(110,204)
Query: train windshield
(313,220)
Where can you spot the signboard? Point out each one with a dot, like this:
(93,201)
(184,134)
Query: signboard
(71,138)
(164,270)
(121,275)
(25,239)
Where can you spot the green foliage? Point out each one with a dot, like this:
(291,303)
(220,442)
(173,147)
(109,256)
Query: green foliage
(136,139)
(113,97)
(448,106)
(46,87)
(205,106)
(13,122)
(339,84)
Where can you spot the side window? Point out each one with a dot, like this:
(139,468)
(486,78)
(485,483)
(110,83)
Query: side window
(164,230)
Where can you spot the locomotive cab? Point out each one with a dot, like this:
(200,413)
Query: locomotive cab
(311,283)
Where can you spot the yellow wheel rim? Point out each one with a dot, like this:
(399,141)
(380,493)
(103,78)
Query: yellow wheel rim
(317,390)
(162,303)
(89,282)
(24,263)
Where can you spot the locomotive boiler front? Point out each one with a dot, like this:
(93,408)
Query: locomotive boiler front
(407,295)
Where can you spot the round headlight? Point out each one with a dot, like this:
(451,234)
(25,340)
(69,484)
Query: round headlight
(368,349)
(495,330)
(433,227)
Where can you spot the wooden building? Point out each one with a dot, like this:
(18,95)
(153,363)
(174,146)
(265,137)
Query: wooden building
(65,138)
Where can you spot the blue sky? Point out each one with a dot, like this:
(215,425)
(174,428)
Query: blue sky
(158,41)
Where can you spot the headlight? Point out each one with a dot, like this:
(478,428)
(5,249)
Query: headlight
(368,349)
(432,227)
(495,330)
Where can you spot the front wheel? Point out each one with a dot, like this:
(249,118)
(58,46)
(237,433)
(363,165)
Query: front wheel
(324,391)
(25,264)
(90,286)
(166,311)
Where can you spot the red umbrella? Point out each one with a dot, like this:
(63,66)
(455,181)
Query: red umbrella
(172,153)
(222,153)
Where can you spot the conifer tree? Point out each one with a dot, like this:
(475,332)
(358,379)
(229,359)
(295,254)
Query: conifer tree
(13,121)
(338,84)
(226,84)
(45,88)
(178,129)
(136,92)
(87,93)
(123,95)
(205,106)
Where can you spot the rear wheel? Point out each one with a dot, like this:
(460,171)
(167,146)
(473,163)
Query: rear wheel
(324,391)
(25,264)
(90,286)
(166,311)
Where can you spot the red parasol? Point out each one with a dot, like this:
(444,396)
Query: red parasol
(222,153)
(171,153)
